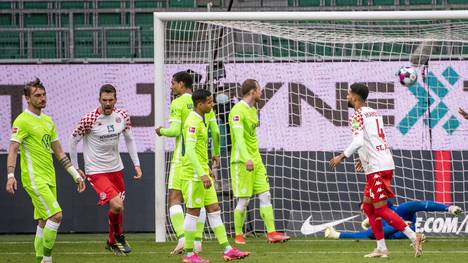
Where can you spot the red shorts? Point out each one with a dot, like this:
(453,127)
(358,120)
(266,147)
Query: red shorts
(379,186)
(107,186)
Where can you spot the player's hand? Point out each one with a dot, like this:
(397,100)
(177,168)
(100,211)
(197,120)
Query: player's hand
(358,165)
(158,130)
(82,174)
(138,173)
(249,165)
(11,185)
(336,161)
(80,185)
(206,181)
(215,162)
(463,113)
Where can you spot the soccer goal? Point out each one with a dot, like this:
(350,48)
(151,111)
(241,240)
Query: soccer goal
(305,63)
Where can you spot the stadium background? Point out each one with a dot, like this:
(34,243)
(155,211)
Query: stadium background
(54,35)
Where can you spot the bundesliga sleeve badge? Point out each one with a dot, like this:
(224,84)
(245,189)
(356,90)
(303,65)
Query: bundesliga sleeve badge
(236,118)
(192,130)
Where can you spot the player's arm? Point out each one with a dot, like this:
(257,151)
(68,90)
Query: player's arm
(131,147)
(190,152)
(11,185)
(65,162)
(19,132)
(175,122)
(216,137)
(238,134)
(79,132)
(356,143)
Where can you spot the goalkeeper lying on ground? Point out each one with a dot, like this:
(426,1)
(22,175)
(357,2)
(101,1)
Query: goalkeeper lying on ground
(406,210)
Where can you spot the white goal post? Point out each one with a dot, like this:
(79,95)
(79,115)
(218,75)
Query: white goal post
(219,18)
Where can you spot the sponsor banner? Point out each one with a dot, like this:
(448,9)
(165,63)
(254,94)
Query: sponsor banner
(442,225)
(304,105)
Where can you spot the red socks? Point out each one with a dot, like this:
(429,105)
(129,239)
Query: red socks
(115,222)
(391,217)
(374,221)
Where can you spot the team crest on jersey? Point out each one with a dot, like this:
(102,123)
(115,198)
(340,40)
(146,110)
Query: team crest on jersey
(236,118)
(192,130)
(14,130)
(118,120)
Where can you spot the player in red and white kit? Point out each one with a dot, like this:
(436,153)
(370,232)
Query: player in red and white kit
(100,130)
(376,160)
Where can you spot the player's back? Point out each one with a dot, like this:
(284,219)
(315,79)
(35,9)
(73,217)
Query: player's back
(375,154)
(246,117)
(35,133)
(195,130)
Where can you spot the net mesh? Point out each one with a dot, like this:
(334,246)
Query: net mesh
(305,69)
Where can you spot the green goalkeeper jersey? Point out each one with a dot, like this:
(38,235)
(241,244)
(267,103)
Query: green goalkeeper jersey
(243,121)
(35,134)
(195,161)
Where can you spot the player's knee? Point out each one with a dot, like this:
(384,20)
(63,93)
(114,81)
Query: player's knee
(215,219)
(175,197)
(57,217)
(265,199)
(242,204)
(116,205)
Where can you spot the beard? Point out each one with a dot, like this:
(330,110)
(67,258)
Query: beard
(350,105)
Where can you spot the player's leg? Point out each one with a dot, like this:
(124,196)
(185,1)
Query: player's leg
(176,213)
(261,187)
(376,228)
(380,191)
(331,233)
(218,227)
(197,246)
(49,214)
(241,181)
(117,206)
(193,194)
(108,194)
(38,240)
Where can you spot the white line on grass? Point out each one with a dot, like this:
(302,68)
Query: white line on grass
(248,240)
(259,253)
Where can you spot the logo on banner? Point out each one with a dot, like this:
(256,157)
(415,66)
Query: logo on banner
(442,225)
(425,101)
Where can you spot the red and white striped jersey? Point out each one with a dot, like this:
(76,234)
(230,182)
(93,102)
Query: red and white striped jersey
(100,134)
(370,141)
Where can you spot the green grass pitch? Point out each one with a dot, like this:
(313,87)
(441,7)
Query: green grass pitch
(82,248)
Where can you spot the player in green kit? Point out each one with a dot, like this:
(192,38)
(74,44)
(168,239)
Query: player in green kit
(197,181)
(248,174)
(35,135)
(180,108)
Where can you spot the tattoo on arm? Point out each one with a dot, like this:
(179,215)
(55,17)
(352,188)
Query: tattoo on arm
(65,162)
(11,169)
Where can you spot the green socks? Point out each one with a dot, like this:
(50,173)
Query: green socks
(266,212)
(49,236)
(239,219)
(38,247)
(177,219)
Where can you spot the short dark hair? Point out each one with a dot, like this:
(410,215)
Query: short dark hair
(195,76)
(185,77)
(247,86)
(107,88)
(200,96)
(36,83)
(361,90)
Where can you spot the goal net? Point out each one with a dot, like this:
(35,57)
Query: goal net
(305,69)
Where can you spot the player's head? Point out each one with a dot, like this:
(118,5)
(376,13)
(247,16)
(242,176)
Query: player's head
(181,81)
(35,94)
(107,98)
(357,93)
(202,100)
(251,88)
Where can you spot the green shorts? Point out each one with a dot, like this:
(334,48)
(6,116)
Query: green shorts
(245,183)
(196,196)
(44,199)
(174,181)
